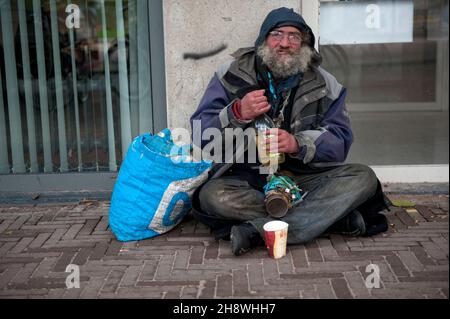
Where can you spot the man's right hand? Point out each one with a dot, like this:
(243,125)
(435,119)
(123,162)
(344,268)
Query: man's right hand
(254,104)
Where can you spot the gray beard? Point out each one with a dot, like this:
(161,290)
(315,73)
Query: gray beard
(297,63)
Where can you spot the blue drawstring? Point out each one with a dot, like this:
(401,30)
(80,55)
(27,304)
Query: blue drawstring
(272,87)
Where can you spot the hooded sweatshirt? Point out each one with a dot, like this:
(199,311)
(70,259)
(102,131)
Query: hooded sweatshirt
(283,17)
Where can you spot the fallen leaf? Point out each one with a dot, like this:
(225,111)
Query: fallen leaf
(403,203)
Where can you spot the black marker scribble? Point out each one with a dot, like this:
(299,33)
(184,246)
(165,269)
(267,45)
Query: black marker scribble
(198,56)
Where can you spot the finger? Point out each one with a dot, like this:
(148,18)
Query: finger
(281,132)
(281,147)
(260,99)
(276,133)
(272,143)
(258,93)
(276,149)
(265,109)
(261,111)
(261,105)
(268,137)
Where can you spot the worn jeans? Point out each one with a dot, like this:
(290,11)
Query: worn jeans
(332,195)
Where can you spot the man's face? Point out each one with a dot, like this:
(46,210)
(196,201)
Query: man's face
(283,52)
(284,42)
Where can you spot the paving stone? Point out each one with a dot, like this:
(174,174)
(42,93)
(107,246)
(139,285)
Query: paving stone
(308,293)
(149,270)
(224,286)
(270,269)
(7,276)
(425,212)
(410,261)
(313,252)
(255,275)
(112,281)
(206,289)
(341,289)
(338,242)
(434,251)
(298,254)
(197,254)
(24,273)
(240,283)
(82,256)
(189,293)
(93,287)
(39,240)
(357,285)
(212,250)
(324,290)
(181,259)
(24,242)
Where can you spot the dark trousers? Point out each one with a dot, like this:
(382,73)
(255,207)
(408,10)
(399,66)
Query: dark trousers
(332,194)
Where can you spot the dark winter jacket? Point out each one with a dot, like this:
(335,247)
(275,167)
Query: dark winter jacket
(318,119)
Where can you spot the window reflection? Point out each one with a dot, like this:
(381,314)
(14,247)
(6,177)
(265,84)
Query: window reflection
(78,135)
(393,72)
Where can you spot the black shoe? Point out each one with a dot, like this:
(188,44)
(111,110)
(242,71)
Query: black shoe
(222,233)
(351,225)
(243,238)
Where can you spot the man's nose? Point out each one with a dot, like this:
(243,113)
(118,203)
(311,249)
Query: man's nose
(285,42)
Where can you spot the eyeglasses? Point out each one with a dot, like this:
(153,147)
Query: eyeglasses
(294,38)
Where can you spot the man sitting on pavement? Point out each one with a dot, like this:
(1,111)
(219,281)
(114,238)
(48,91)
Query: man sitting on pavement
(280,76)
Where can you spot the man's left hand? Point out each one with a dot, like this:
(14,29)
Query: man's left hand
(282,141)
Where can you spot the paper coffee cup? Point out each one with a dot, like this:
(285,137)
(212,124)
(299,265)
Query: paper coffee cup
(275,234)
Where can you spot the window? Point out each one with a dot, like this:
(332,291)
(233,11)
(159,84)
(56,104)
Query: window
(392,56)
(73,98)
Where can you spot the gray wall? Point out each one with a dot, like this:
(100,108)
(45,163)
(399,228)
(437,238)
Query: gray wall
(199,26)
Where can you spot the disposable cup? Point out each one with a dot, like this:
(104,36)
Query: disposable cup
(275,235)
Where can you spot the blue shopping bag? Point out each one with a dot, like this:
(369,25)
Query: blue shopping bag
(154,187)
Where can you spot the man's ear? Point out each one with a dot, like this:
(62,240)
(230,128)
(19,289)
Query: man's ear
(306,38)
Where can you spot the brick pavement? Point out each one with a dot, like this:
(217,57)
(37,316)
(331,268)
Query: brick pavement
(38,242)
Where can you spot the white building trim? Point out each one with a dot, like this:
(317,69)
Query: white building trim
(412,173)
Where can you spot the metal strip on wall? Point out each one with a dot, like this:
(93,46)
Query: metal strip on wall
(144,70)
(132,52)
(28,87)
(156,26)
(64,166)
(42,75)
(75,96)
(12,89)
(109,109)
(123,80)
(4,164)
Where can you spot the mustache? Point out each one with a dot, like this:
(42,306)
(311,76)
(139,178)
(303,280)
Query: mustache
(287,50)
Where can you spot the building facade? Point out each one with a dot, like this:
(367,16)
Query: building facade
(81,78)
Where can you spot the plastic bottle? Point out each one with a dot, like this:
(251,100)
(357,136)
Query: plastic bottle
(263,123)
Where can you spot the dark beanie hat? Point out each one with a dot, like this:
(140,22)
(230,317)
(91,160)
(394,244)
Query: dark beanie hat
(283,17)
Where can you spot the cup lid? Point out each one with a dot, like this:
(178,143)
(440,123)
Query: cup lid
(275,225)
